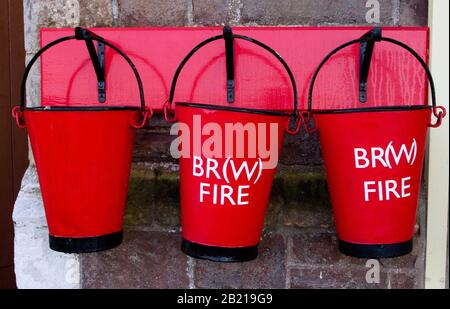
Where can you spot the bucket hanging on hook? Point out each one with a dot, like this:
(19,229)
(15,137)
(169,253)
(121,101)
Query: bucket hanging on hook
(83,158)
(224,195)
(373,158)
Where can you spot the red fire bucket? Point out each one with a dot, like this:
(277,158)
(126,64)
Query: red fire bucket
(373,158)
(224,194)
(83,159)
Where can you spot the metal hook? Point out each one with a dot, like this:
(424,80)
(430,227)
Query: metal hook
(366,45)
(439,112)
(97,58)
(169,113)
(229,54)
(18,116)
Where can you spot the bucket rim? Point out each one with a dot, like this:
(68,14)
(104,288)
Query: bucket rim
(234,109)
(373,109)
(79,108)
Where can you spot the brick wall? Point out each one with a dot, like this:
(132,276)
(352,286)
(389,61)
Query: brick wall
(299,248)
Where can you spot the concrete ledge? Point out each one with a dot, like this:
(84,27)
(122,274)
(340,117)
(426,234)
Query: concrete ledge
(299,242)
(36,266)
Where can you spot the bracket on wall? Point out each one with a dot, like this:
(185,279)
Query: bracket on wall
(154,44)
(97,58)
(229,54)
(367,43)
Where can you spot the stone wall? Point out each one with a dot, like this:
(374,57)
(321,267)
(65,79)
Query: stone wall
(299,247)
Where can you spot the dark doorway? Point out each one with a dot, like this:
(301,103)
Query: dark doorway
(13,142)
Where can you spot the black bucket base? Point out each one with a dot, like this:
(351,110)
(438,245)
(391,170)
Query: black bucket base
(85,244)
(219,254)
(376,251)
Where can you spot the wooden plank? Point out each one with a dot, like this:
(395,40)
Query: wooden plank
(17,66)
(7,277)
(6,170)
(13,153)
(395,77)
(438,165)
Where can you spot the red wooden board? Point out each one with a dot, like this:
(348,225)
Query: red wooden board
(395,77)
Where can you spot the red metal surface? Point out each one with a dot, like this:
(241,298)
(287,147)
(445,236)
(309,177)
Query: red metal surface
(395,78)
(361,166)
(83,160)
(220,207)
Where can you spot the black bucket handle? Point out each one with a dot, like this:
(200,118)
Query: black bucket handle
(296,116)
(86,35)
(438,111)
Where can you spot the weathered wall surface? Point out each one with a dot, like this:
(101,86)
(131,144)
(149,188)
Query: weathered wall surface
(299,247)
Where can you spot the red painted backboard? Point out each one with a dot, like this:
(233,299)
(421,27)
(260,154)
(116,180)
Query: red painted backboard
(395,78)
